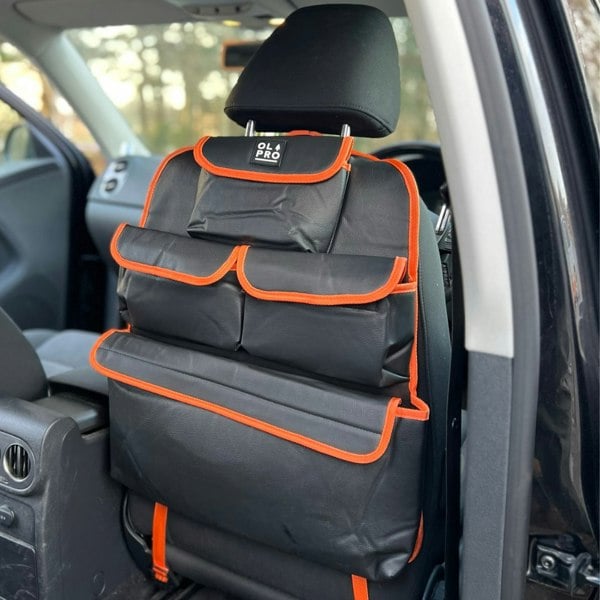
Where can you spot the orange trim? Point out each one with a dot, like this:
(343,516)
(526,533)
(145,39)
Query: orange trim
(420,412)
(165,273)
(360,588)
(405,288)
(365,155)
(414,207)
(338,163)
(384,440)
(413,254)
(154,181)
(159,543)
(413,219)
(418,542)
(398,270)
(296,132)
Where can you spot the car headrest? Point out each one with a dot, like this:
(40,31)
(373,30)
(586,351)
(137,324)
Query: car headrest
(326,66)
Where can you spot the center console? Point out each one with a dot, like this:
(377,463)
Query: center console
(60,525)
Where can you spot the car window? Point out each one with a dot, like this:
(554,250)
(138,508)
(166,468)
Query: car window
(23,78)
(169,83)
(10,121)
(584,21)
(16,141)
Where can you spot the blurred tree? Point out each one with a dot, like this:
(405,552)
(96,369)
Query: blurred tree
(22,77)
(168,80)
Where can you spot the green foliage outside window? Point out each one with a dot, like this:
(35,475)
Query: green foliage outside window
(168,81)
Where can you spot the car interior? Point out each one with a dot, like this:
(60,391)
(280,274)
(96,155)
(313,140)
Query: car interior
(229,377)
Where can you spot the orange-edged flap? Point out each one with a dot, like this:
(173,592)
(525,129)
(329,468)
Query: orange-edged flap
(320,279)
(285,159)
(119,356)
(179,258)
(159,543)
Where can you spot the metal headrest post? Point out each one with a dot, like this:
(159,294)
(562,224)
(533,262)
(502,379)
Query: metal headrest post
(345,130)
(250,129)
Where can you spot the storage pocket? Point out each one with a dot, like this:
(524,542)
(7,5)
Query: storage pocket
(347,317)
(315,470)
(178,287)
(241,201)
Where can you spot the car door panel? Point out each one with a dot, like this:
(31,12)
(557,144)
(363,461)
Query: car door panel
(35,196)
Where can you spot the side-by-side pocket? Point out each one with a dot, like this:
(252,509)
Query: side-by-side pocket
(177,287)
(337,315)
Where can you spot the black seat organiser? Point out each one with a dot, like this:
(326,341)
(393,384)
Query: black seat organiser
(269,357)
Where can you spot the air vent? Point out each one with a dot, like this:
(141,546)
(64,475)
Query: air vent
(17,462)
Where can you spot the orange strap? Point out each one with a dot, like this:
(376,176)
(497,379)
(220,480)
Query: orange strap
(159,543)
(360,587)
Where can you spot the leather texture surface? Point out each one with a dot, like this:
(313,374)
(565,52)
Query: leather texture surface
(321,69)
(299,404)
(322,372)
(209,314)
(311,311)
(362,519)
(179,254)
(280,215)
(319,274)
(333,340)
(255,571)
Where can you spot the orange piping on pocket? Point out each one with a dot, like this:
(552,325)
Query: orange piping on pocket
(165,273)
(339,163)
(392,413)
(396,275)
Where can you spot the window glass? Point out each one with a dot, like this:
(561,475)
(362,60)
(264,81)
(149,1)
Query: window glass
(16,141)
(10,120)
(19,75)
(169,83)
(584,22)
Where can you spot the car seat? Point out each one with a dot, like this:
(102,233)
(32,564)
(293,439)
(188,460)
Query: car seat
(277,398)
(36,358)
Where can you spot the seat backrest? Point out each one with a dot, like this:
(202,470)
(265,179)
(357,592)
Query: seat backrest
(275,294)
(21,372)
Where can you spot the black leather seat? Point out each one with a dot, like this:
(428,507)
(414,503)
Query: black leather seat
(278,398)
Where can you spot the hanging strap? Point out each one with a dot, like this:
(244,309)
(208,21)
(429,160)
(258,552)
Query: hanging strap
(360,587)
(159,543)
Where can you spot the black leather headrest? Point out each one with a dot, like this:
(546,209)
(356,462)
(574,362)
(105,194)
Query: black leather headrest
(325,66)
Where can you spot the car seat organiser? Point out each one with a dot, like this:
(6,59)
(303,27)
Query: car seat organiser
(269,358)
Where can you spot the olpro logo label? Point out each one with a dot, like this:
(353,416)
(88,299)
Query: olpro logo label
(268,152)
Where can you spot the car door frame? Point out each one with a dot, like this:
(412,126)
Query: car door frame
(82,306)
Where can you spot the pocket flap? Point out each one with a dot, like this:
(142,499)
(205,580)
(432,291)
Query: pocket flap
(191,261)
(348,425)
(299,159)
(321,279)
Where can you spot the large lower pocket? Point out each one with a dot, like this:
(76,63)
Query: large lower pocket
(329,474)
